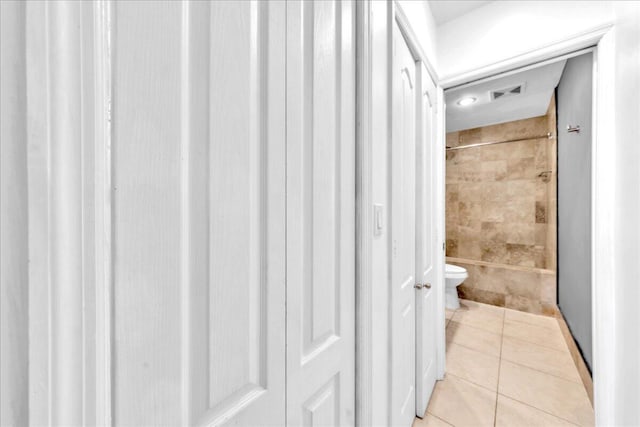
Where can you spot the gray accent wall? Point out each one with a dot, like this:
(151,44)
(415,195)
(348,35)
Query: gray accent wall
(574,105)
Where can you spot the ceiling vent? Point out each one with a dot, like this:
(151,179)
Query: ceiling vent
(507,92)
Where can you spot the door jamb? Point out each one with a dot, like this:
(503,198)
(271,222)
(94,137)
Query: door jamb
(601,38)
(364,202)
(420,56)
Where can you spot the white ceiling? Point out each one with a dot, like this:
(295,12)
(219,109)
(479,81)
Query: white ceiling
(538,87)
(444,11)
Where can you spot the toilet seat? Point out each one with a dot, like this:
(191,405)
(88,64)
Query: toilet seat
(454,271)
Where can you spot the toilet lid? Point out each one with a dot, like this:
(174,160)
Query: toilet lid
(450,268)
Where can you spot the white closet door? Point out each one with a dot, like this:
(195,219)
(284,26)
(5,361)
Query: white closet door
(426,244)
(403,250)
(199,213)
(320,213)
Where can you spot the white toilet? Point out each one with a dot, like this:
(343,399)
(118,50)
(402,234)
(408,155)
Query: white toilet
(453,276)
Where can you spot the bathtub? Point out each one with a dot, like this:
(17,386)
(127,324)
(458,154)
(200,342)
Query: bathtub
(528,289)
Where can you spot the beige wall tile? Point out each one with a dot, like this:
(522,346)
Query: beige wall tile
(452,247)
(521,168)
(469,248)
(493,191)
(470,156)
(493,251)
(518,302)
(520,189)
(523,283)
(541,212)
(548,288)
(521,254)
(492,211)
(486,297)
(519,211)
(452,192)
(469,209)
(540,256)
(471,192)
(470,136)
(540,234)
(493,170)
(469,229)
(452,139)
(522,150)
(542,157)
(494,231)
(491,279)
(466,305)
(520,233)
(494,152)
(500,211)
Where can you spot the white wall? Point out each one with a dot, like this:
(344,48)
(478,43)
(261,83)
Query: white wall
(13,217)
(424,26)
(502,31)
(380,134)
(626,214)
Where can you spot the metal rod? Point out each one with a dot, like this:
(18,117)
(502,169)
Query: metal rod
(480,144)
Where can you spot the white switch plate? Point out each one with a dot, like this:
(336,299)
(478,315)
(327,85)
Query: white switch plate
(378,219)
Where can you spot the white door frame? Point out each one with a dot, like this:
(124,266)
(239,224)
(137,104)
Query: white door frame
(602,187)
(364,202)
(419,55)
(69,87)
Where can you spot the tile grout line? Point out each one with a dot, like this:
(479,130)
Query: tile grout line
(440,418)
(499,356)
(542,372)
(534,324)
(537,409)
(539,345)
(495,412)
(535,343)
(471,382)
(474,327)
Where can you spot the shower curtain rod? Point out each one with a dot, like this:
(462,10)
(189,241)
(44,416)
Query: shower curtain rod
(548,136)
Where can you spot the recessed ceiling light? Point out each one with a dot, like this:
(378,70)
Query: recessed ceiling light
(467,101)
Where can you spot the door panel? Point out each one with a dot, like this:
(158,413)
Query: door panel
(199,213)
(403,258)
(426,243)
(321,213)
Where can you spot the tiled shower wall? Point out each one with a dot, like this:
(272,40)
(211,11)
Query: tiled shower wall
(501,210)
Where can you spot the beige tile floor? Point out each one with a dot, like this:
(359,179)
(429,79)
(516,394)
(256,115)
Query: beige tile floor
(506,368)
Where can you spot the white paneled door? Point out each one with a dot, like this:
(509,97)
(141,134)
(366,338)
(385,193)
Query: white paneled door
(199,213)
(234,176)
(403,239)
(320,213)
(426,242)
